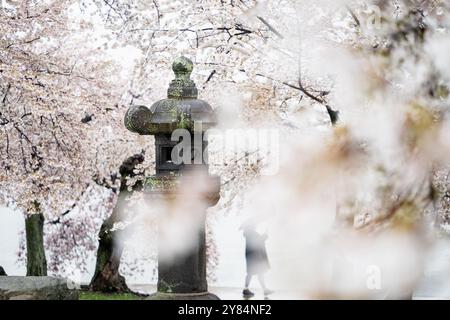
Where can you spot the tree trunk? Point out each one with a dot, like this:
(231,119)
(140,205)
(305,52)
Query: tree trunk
(36,261)
(107,277)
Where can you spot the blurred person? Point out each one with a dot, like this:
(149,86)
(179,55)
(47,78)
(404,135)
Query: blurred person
(256,257)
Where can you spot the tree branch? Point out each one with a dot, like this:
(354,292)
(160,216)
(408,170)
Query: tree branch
(279,35)
(333,114)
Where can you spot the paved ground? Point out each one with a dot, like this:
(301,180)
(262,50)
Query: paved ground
(435,283)
(225,293)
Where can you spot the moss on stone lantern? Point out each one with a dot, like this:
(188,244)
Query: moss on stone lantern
(182,277)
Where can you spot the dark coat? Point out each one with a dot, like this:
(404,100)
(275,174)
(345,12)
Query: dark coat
(255,252)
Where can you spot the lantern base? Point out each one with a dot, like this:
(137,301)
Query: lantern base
(182,296)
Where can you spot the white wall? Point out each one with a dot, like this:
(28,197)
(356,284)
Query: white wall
(11,223)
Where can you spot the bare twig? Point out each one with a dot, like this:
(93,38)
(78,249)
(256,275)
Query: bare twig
(268,25)
(333,114)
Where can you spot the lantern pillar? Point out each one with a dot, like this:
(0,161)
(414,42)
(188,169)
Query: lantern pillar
(180,275)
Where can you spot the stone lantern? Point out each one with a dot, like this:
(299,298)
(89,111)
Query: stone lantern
(183,276)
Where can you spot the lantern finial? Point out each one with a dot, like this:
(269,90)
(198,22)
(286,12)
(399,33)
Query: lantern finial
(182,87)
(182,67)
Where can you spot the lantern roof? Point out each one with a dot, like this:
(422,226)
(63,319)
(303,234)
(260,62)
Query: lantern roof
(180,110)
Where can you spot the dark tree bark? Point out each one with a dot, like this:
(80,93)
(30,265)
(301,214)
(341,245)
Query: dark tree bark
(34,229)
(333,114)
(107,277)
